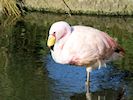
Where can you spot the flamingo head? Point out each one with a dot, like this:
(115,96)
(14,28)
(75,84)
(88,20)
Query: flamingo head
(57,31)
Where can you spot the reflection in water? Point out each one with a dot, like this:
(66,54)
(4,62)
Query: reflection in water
(102,95)
(22,76)
(107,95)
(27,71)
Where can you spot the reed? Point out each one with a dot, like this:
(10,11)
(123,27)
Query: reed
(10,8)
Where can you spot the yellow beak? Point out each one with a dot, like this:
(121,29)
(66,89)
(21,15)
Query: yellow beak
(51,41)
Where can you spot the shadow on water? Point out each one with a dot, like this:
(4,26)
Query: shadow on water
(27,71)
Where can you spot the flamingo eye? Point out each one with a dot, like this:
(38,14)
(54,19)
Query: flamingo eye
(54,33)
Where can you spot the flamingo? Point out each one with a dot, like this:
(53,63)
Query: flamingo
(82,46)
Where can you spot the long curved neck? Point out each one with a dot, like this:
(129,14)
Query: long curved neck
(58,48)
(64,38)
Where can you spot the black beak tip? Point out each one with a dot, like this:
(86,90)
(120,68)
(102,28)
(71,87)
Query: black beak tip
(51,47)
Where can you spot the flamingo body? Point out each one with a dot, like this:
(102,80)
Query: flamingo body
(81,45)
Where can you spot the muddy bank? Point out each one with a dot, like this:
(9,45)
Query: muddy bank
(102,7)
(0,7)
(97,7)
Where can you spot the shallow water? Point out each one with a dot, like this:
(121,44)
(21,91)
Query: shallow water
(27,71)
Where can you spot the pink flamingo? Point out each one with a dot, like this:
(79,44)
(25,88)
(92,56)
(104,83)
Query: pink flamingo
(82,45)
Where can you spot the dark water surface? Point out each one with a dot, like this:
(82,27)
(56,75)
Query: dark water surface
(27,71)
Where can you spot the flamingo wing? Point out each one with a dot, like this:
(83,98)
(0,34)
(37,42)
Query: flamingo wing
(87,45)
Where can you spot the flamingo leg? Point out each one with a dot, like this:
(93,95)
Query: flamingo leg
(99,62)
(88,77)
(88,70)
(105,65)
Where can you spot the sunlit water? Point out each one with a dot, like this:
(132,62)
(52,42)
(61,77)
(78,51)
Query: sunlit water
(28,72)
